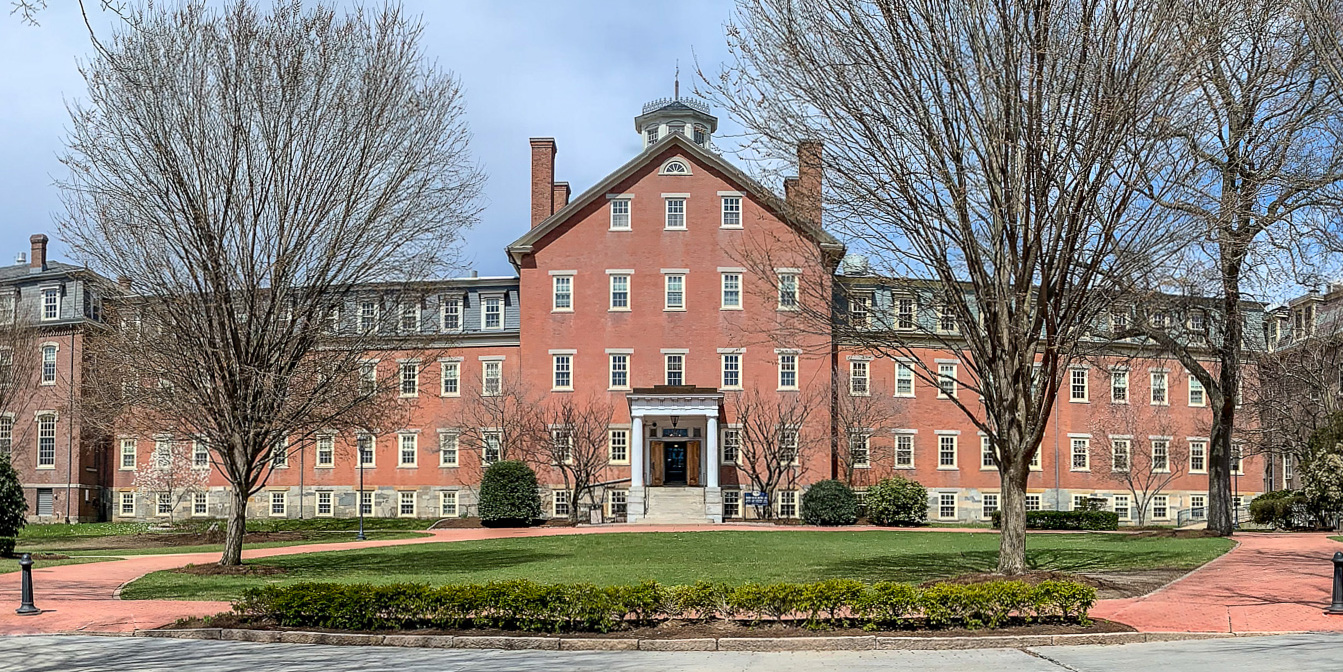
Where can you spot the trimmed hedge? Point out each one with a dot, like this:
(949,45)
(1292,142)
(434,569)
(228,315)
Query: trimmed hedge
(829,503)
(1066,520)
(1283,509)
(509,495)
(897,501)
(7,546)
(581,607)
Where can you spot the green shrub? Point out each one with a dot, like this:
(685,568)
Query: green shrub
(1283,509)
(829,503)
(508,495)
(897,501)
(13,505)
(7,546)
(581,607)
(1066,520)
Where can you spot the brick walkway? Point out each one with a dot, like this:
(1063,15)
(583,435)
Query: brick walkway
(1269,583)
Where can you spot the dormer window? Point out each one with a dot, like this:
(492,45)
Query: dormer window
(675,167)
(51,303)
(652,134)
(701,134)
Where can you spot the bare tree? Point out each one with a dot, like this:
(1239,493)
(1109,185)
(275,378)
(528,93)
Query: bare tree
(172,471)
(1135,448)
(992,148)
(268,183)
(21,370)
(500,416)
(573,439)
(773,437)
(861,408)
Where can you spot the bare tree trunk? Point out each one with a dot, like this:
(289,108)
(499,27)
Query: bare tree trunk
(237,529)
(1012,537)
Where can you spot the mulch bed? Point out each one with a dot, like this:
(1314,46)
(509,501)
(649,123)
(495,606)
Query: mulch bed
(213,569)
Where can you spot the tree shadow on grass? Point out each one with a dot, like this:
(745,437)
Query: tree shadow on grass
(410,560)
(918,567)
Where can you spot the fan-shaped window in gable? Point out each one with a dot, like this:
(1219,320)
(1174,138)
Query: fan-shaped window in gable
(675,167)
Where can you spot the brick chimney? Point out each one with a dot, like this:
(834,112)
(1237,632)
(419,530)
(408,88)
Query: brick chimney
(560,196)
(807,192)
(38,260)
(543,179)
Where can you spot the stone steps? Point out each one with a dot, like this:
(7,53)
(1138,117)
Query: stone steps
(675,505)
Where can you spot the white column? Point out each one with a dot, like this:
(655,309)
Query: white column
(711,454)
(637,453)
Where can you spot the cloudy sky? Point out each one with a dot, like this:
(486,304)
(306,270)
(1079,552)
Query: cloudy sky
(575,71)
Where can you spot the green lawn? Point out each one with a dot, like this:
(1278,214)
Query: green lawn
(12,564)
(144,539)
(688,557)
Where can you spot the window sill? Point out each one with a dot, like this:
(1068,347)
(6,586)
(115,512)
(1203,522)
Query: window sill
(617,310)
(1119,402)
(786,389)
(1079,401)
(561,310)
(782,309)
(944,468)
(1198,471)
(731,227)
(732,308)
(407,396)
(983,468)
(449,395)
(859,394)
(1198,405)
(45,467)
(673,310)
(561,389)
(1082,471)
(622,229)
(618,389)
(619,463)
(675,228)
(907,467)
(407,466)
(731,388)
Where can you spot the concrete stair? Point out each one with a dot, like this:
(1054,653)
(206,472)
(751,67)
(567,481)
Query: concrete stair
(675,505)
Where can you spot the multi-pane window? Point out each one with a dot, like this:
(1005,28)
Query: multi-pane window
(731,445)
(1077,387)
(492,378)
(324,507)
(1035,461)
(1119,319)
(128,453)
(368,378)
(731,503)
(163,454)
(410,316)
(563,292)
(561,504)
(904,451)
(165,504)
(1120,503)
(1196,395)
(405,504)
(326,451)
(452,313)
(1081,453)
(732,212)
(946,319)
(1120,450)
(990,501)
(451,378)
(731,370)
(564,372)
(492,450)
(676,213)
(788,438)
(904,312)
(858,380)
(1032,502)
(408,453)
(904,380)
(365,446)
(1160,455)
(447,449)
(447,503)
(787,291)
(48,365)
(674,297)
(618,444)
(946,505)
(731,290)
(986,457)
(787,504)
(51,304)
(279,453)
(366,502)
(1198,456)
(1119,386)
(620,371)
(200,504)
(946,451)
(46,440)
(368,317)
(675,369)
(860,311)
(787,371)
(278,503)
(6,434)
(620,292)
(200,454)
(859,453)
(493,313)
(410,379)
(620,214)
(946,380)
(1197,506)
(1160,507)
(1159,388)
(1287,466)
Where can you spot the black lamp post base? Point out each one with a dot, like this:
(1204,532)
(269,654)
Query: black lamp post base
(27,610)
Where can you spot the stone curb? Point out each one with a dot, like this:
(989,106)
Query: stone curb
(862,643)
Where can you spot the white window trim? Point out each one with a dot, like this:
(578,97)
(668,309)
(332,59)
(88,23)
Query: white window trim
(628,275)
(1193,380)
(723,354)
(796,274)
(1151,380)
(722,288)
(610,432)
(895,448)
(685,209)
(443,375)
(722,432)
(555,294)
(1086,385)
(667,275)
(913,384)
(629,211)
(867,366)
(41,362)
(485,298)
(955,450)
(956,505)
(741,209)
(372,451)
(400,377)
(666,353)
(797,368)
(611,354)
(1152,447)
(415,455)
(457,454)
(414,503)
(270,503)
(1190,441)
(1079,437)
(121,453)
(443,496)
(331,501)
(485,363)
(447,300)
(555,356)
(955,380)
(1128,385)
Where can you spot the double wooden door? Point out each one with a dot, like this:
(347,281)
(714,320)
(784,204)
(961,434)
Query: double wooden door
(674,462)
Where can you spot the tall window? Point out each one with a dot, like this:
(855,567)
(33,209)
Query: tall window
(51,304)
(324,507)
(904,380)
(365,445)
(366,502)
(788,444)
(731,212)
(451,378)
(676,213)
(410,379)
(447,503)
(493,315)
(946,319)
(946,380)
(1119,460)
(946,505)
(1119,386)
(410,316)
(127,453)
(904,312)
(990,500)
(618,441)
(492,378)
(326,451)
(1198,456)
(1081,454)
(409,450)
(279,453)
(563,292)
(904,450)
(620,371)
(405,504)
(1196,395)
(1160,455)
(787,503)
(620,214)
(859,454)
(48,365)
(675,294)
(731,445)
(946,451)
(787,291)
(731,290)
(564,372)
(1159,396)
(368,317)
(986,458)
(278,503)
(731,370)
(492,450)
(858,381)
(452,313)
(200,454)
(368,378)
(1121,506)
(46,440)
(1078,385)
(447,449)
(675,369)
(860,311)
(620,292)
(787,371)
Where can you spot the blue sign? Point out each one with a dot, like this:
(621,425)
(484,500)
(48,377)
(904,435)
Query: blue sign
(754,498)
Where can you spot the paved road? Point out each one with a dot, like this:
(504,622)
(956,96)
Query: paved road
(1294,653)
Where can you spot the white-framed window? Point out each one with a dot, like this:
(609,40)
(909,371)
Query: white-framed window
(787,507)
(674,296)
(452,313)
(279,502)
(620,292)
(410,316)
(1161,455)
(1287,469)
(563,293)
(405,506)
(986,459)
(788,445)
(1120,453)
(1081,454)
(48,364)
(1035,461)
(492,450)
(368,317)
(990,503)
(200,504)
(1119,386)
(46,440)
(620,371)
(731,370)
(946,505)
(366,502)
(1078,389)
(492,313)
(447,448)
(904,451)
(620,214)
(1120,505)
(200,454)
(324,506)
(491,377)
(279,453)
(127,504)
(560,504)
(731,298)
(408,455)
(674,369)
(618,446)
(1160,507)
(788,371)
(1032,502)
(128,454)
(1197,397)
(450,377)
(946,380)
(1198,457)
(368,377)
(1159,391)
(946,451)
(860,310)
(1198,506)
(731,503)
(858,378)
(946,319)
(675,214)
(447,504)
(731,445)
(367,447)
(6,434)
(904,380)
(51,303)
(564,372)
(410,379)
(860,454)
(165,504)
(906,312)
(326,450)
(787,291)
(731,212)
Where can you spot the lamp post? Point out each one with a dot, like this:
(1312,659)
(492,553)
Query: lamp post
(1336,607)
(359,500)
(26,607)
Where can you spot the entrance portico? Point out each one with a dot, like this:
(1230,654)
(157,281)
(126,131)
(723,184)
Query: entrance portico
(674,445)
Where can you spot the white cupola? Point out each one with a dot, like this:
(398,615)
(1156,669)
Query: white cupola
(687,116)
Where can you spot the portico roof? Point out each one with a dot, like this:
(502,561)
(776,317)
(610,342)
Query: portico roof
(674,399)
